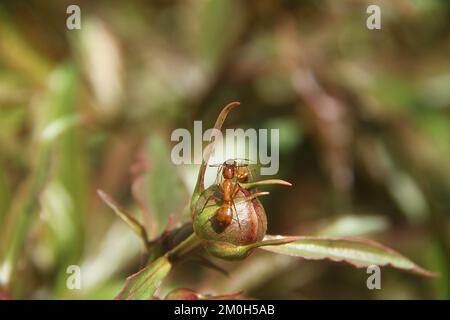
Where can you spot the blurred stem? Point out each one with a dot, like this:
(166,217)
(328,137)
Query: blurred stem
(19,221)
(5,196)
(18,54)
(61,118)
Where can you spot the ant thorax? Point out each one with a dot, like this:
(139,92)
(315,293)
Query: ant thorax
(228,189)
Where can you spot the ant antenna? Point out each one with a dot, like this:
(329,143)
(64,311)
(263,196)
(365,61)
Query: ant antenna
(216,165)
(246,160)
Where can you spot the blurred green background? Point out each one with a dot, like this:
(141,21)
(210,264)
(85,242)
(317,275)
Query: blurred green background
(364,136)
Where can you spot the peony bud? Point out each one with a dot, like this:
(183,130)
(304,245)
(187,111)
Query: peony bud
(248,225)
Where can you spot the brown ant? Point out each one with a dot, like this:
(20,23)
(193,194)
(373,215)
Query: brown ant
(231,171)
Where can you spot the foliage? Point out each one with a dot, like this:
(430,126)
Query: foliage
(364,138)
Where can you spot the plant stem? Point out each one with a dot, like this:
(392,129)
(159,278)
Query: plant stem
(189,244)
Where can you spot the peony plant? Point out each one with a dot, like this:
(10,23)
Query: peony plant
(238,240)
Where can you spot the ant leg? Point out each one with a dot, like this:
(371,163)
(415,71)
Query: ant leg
(237,187)
(209,199)
(204,206)
(218,175)
(237,215)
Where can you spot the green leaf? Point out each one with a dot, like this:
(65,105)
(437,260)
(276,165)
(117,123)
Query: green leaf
(159,190)
(64,199)
(58,126)
(360,253)
(353,225)
(254,184)
(215,33)
(200,185)
(55,125)
(143,284)
(125,216)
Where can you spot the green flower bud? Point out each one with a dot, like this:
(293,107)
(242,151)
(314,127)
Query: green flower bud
(248,224)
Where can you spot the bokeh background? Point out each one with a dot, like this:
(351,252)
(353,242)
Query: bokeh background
(363,118)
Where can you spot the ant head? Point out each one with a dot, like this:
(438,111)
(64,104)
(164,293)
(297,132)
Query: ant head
(229,163)
(228,169)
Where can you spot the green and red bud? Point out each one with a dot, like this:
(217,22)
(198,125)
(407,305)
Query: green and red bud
(246,230)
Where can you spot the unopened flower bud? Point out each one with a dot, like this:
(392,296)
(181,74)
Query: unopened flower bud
(248,223)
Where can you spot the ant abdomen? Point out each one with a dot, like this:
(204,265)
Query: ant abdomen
(224,215)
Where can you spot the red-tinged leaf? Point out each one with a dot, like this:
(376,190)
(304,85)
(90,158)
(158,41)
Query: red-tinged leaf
(4,295)
(143,284)
(360,253)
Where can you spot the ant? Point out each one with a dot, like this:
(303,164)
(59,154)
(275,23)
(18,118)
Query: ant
(233,174)
(241,169)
